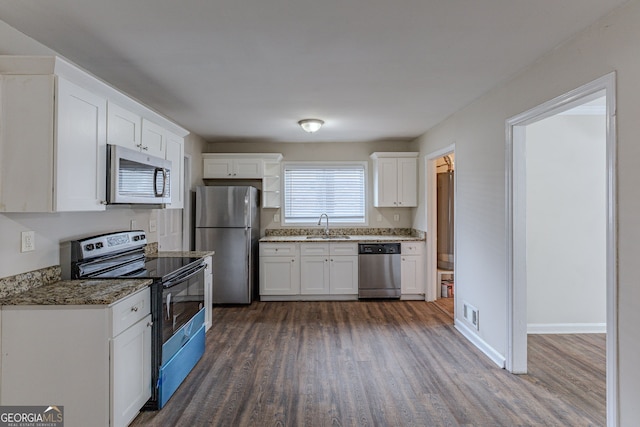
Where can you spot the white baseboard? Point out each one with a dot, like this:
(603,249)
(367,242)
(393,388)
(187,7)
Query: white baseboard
(489,351)
(567,328)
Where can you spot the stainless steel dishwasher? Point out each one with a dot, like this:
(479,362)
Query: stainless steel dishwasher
(379,270)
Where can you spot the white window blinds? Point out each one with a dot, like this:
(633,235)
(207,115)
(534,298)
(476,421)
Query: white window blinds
(334,188)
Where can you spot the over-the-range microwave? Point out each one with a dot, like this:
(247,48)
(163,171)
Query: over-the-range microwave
(135,177)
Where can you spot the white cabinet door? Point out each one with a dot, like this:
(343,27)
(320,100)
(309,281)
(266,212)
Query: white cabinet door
(279,275)
(344,275)
(153,139)
(412,275)
(386,183)
(248,168)
(175,153)
(80,149)
(314,275)
(123,127)
(217,168)
(131,371)
(407,182)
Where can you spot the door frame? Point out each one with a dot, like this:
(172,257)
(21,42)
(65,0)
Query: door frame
(515,156)
(431,190)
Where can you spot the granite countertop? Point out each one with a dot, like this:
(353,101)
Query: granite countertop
(78,292)
(352,238)
(193,254)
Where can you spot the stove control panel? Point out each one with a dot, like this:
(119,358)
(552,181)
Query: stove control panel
(107,244)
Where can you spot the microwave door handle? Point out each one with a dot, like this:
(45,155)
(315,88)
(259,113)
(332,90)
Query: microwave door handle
(155,182)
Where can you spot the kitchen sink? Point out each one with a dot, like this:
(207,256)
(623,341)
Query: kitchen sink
(323,237)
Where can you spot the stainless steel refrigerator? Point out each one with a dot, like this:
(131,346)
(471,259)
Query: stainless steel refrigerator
(227,221)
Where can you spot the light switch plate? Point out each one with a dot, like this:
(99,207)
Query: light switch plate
(152,226)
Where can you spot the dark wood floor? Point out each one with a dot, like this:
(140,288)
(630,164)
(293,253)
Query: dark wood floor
(376,363)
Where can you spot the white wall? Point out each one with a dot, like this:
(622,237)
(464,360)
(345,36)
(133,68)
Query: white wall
(51,229)
(478,131)
(358,151)
(566,224)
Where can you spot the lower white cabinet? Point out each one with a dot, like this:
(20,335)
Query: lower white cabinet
(412,272)
(308,270)
(94,360)
(279,269)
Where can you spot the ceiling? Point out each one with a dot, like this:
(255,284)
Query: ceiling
(248,70)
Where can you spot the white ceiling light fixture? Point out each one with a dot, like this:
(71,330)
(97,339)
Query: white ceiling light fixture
(310,125)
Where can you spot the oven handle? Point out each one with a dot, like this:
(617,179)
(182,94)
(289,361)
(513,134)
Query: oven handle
(184,277)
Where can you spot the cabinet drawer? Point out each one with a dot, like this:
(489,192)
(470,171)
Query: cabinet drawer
(344,249)
(314,249)
(412,248)
(278,249)
(129,310)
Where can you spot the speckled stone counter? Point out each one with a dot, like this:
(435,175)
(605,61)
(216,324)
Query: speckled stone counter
(354,239)
(78,292)
(24,281)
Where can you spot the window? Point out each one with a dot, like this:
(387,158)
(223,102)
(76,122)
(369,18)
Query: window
(337,189)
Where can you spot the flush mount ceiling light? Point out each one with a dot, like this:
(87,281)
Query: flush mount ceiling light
(310,125)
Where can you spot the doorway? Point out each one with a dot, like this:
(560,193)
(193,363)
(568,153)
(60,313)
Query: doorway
(440,186)
(522,225)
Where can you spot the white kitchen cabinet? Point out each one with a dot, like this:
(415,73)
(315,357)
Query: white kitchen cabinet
(208,293)
(412,272)
(344,268)
(328,269)
(246,168)
(279,269)
(271,182)
(53,138)
(55,121)
(175,153)
(93,359)
(395,179)
(124,127)
(153,139)
(314,269)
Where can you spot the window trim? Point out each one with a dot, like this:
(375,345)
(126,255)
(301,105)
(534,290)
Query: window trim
(328,164)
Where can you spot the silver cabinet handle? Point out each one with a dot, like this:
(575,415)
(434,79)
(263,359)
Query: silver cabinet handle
(134,308)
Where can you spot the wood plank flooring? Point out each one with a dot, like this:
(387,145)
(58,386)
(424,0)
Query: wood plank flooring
(373,363)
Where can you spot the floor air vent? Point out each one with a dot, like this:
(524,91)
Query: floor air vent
(471,315)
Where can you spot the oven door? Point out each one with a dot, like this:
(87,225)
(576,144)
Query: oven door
(182,299)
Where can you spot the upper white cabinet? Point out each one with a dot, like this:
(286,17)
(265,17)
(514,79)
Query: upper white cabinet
(395,179)
(55,122)
(53,139)
(124,127)
(232,166)
(154,139)
(264,166)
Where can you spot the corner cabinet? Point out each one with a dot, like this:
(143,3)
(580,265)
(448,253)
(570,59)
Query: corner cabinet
(53,139)
(395,179)
(95,360)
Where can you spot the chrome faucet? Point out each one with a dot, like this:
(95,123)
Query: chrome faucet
(326,229)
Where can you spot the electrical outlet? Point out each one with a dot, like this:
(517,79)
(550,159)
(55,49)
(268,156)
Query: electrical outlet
(396,217)
(28,241)
(276,217)
(134,225)
(152,226)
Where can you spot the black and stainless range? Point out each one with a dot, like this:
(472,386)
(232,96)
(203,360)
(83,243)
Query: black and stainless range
(177,300)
